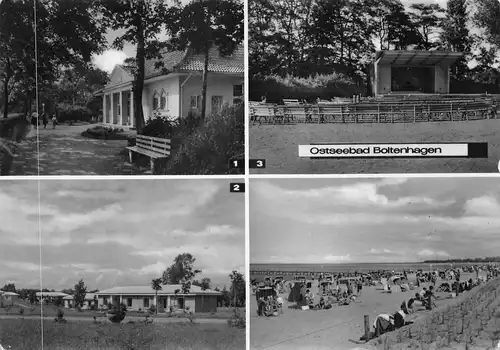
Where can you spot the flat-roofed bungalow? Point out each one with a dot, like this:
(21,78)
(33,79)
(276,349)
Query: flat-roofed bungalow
(143,297)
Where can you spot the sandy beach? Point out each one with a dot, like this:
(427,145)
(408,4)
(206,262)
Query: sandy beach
(339,327)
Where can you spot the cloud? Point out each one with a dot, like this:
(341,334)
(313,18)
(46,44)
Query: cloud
(109,59)
(485,206)
(209,231)
(427,253)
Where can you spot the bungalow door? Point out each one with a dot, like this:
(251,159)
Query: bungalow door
(216,104)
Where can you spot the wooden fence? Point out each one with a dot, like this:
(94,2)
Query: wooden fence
(381,111)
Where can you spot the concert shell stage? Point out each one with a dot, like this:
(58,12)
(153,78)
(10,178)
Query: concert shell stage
(412,72)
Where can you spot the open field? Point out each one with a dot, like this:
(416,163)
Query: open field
(26,334)
(51,311)
(278,145)
(337,328)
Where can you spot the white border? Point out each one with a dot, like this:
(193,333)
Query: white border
(123,177)
(372,176)
(247,182)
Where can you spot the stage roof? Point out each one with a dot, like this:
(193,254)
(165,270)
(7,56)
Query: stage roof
(417,58)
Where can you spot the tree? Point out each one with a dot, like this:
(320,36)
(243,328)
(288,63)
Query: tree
(156,285)
(9,287)
(202,25)
(181,270)
(16,47)
(204,284)
(426,18)
(68,291)
(487,17)
(80,293)
(238,289)
(142,21)
(455,35)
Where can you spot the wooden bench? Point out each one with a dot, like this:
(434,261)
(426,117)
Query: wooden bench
(153,147)
(289,101)
(261,111)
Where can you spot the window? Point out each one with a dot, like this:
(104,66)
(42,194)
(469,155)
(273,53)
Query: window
(237,90)
(237,94)
(129,302)
(156,101)
(164,100)
(217,103)
(195,102)
(146,302)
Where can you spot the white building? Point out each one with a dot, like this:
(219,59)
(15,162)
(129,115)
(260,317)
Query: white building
(178,92)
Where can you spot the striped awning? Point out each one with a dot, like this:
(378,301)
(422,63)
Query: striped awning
(417,58)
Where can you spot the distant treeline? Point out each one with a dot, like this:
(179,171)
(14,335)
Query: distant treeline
(467,260)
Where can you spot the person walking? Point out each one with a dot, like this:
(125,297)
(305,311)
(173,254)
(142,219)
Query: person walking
(54,121)
(45,121)
(34,119)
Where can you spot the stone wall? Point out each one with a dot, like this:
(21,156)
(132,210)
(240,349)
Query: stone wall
(472,320)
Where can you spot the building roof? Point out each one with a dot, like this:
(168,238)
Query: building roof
(416,58)
(189,61)
(168,289)
(88,296)
(51,294)
(8,293)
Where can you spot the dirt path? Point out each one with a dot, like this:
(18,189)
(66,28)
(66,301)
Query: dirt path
(63,151)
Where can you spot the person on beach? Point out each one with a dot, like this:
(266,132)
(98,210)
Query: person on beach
(429,298)
(309,298)
(383,323)
(399,317)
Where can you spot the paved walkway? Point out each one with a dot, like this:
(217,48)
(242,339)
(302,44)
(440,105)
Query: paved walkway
(127,319)
(63,151)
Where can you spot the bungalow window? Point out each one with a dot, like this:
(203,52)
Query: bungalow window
(237,94)
(156,101)
(146,302)
(129,302)
(163,100)
(195,102)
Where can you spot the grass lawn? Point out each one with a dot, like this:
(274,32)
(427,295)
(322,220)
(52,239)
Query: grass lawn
(51,311)
(278,145)
(26,334)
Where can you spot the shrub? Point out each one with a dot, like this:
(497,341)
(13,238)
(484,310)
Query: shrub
(209,149)
(67,112)
(152,309)
(117,314)
(159,127)
(324,86)
(60,317)
(237,320)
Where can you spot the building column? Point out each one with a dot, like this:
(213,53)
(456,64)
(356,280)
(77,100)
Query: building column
(112,108)
(120,117)
(132,118)
(104,108)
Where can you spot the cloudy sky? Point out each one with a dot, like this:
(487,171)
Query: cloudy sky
(373,220)
(118,232)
